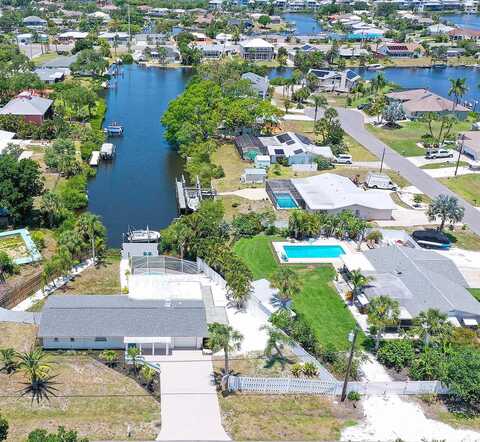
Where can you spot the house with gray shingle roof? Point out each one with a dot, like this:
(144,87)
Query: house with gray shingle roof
(420,280)
(259,84)
(32,108)
(119,322)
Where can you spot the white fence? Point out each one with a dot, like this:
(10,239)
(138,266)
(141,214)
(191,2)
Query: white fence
(331,388)
(309,167)
(212,274)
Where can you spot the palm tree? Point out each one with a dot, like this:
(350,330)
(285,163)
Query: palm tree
(276,340)
(133,353)
(148,374)
(458,88)
(50,207)
(358,281)
(91,228)
(446,208)
(432,326)
(319,101)
(288,284)
(383,311)
(110,357)
(36,366)
(226,338)
(8,357)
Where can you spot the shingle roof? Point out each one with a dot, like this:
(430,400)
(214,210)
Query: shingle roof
(27,105)
(118,316)
(419,280)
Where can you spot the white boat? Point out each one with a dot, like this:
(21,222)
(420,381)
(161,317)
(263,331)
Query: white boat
(375,67)
(143,235)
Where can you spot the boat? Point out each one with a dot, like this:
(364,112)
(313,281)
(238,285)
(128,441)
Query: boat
(143,235)
(375,67)
(439,65)
(114,129)
(431,239)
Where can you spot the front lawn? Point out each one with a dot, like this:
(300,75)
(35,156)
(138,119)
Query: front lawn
(285,417)
(467,186)
(475,293)
(229,159)
(96,401)
(20,337)
(451,163)
(318,303)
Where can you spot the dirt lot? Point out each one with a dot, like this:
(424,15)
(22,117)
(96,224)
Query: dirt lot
(94,400)
(20,337)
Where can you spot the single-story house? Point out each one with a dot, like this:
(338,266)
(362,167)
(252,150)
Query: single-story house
(99,15)
(464,34)
(259,84)
(439,29)
(151,39)
(262,161)
(61,62)
(111,37)
(352,52)
(471,143)
(256,49)
(32,108)
(339,81)
(71,36)
(399,49)
(216,51)
(119,322)
(419,280)
(418,102)
(253,176)
(333,193)
(50,76)
(34,22)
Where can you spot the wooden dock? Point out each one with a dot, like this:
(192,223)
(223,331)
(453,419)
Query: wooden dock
(190,197)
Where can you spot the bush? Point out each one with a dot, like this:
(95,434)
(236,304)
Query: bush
(126,58)
(304,335)
(353,396)
(296,370)
(327,353)
(309,369)
(39,239)
(375,236)
(86,150)
(73,192)
(3,428)
(323,163)
(428,366)
(7,265)
(396,354)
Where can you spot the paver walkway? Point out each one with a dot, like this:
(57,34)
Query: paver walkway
(189,403)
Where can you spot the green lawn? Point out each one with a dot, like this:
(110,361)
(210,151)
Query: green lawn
(318,302)
(450,163)
(475,293)
(404,139)
(467,186)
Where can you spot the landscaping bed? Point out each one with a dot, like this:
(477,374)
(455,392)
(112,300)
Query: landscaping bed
(20,337)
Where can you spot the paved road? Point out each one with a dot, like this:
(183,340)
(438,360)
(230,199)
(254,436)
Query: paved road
(190,409)
(353,123)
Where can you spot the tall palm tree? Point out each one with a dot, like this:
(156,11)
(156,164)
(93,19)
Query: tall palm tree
(36,366)
(226,338)
(432,326)
(458,88)
(50,207)
(288,284)
(358,281)
(276,340)
(8,358)
(383,311)
(91,228)
(319,101)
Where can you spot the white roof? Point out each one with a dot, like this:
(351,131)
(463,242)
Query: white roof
(256,43)
(291,144)
(330,191)
(454,321)
(470,321)
(73,34)
(6,136)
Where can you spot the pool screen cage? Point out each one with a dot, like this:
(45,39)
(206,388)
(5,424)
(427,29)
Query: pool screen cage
(150,265)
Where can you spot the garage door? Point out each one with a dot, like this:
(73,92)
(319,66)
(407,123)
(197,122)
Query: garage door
(189,342)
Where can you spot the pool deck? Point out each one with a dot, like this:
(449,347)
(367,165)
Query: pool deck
(349,248)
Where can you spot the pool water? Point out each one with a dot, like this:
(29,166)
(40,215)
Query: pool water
(313,251)
(285,201)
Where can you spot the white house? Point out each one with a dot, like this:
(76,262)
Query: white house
(256,49)
(253,176)
(339,81)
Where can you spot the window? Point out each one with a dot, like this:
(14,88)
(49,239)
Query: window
(100,339)
(55,339)
(147,253)
(72,339)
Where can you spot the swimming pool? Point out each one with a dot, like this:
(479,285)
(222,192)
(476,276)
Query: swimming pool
(285,200)
(313,251)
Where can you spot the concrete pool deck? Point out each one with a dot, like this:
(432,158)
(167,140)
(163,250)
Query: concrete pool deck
(349,248)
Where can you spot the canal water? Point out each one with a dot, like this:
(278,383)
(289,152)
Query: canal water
(469,21)
(138,187)
(305,24)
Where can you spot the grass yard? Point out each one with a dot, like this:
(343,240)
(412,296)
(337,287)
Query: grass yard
(451,163)
(285,417)
(404,139)
(467,186)
(318,302)
(20,337)
(48,56)
(475,293)
(92,399)
(227,156)
(233,205)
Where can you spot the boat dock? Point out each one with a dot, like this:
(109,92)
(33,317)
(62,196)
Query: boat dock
(190,197)
(94,159)
(107,151)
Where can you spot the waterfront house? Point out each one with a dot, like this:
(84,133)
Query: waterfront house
(256,49)
(339,81)
(439,29)
(418,102)
(151,39)
(399,50)
(419,280)
(32,108)
(259,84)
(132,249)
(34,22)
(119,322)
(61,62)
(50,76)
(464,34)
(111,37)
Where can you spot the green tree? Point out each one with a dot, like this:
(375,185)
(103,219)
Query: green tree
(328,128)
(61,435)
(51,208)
(458,88)
(264,20)
(288,284)
(359,281)
(302,224)
(61,156)
(93,232)
(276,339)
(133,354)
(226,338)
(432,327)
(89,61)
(447,208)
(148,375)
(319,101)
(383,312)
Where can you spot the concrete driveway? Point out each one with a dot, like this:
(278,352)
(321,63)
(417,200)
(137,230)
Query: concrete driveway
(189,403)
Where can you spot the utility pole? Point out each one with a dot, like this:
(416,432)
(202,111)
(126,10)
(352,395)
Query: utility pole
(460,151)
(381,163)
(352,337)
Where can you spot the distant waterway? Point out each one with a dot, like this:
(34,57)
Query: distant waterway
(305,24)
(469,21)
(138,187)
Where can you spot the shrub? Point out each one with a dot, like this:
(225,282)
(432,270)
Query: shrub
(296,370)
(304,335)
(323,163)
(327,353)
(126,58)
(353,396)
(3,428)
(396,354)
(73,192)
(6,264)
(309,369)
(39,239)
(375,236)
(428,366)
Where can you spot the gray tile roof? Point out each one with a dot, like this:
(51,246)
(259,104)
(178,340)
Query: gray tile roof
(27,106)
(419,280)
(60,62)
(119,316)
(258,82)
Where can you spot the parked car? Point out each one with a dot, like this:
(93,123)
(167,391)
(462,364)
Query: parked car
(380,181)
(343,158)
(438,153)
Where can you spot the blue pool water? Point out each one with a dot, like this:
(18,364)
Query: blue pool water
(285,201)
(313,251)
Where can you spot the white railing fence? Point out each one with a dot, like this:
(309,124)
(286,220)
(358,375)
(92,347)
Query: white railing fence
(331,388)
(202,266)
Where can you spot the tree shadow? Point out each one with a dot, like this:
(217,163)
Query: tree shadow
(278,359)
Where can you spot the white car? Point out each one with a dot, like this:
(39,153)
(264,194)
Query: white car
(343,159)
(438,153)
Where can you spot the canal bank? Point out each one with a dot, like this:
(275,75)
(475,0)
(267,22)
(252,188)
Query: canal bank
(137,188)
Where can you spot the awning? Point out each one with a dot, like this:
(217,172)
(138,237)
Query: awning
(454,321)
(147,340)
(470,321)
